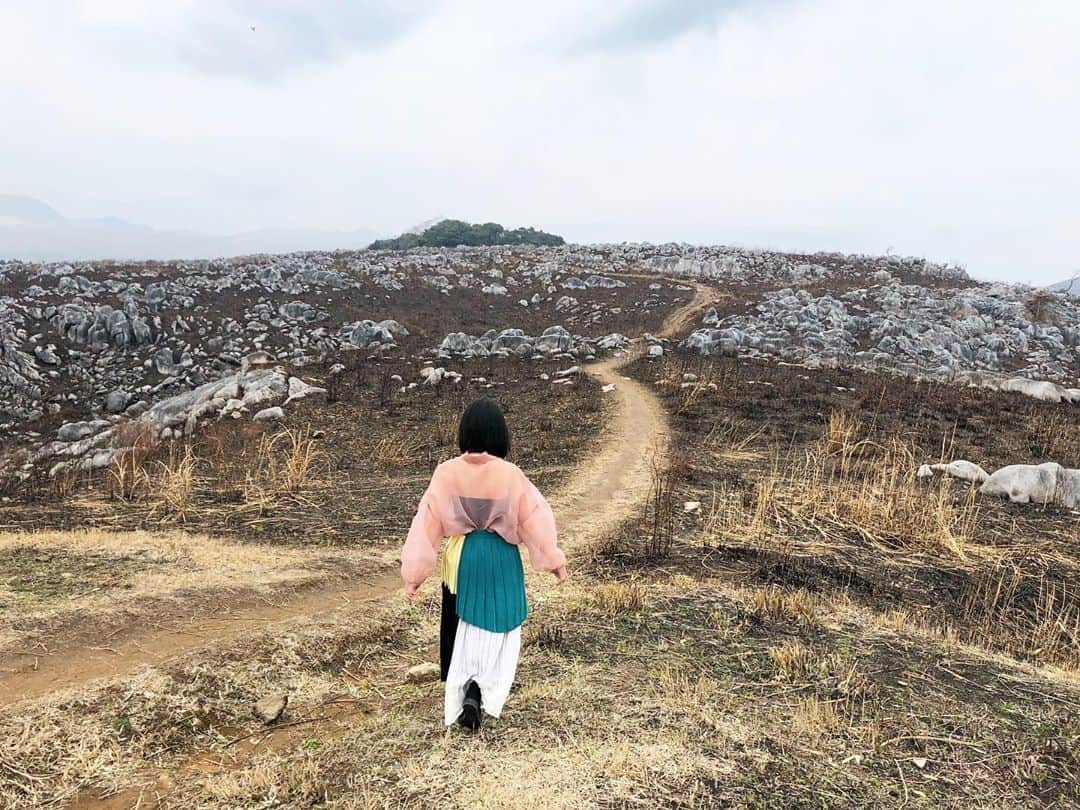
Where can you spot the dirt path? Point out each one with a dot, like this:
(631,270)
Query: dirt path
(599,496)
(613,482)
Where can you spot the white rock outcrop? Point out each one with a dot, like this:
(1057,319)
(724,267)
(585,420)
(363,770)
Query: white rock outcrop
(963,470)
(1035,483)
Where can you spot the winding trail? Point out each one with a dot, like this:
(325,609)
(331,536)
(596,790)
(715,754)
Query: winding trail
(602,493)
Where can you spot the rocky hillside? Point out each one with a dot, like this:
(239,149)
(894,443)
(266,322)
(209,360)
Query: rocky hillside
(978,334)
(83,346)
(1070,286)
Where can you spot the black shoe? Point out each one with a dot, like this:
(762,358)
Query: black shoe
(471,717)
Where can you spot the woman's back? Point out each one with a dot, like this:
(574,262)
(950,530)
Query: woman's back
(480,491)
(487,507)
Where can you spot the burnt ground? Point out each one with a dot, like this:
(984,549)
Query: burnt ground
(813,658)
(426,312)
(369,450)
(764,419)
(838,663)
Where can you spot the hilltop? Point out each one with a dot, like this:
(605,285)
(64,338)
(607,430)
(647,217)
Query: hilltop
(455,233)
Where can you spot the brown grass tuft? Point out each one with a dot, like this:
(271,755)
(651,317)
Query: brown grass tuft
(127,476)
(397,449)
(617,598)
(174,484)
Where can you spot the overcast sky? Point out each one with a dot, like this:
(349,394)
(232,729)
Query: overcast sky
(945,128)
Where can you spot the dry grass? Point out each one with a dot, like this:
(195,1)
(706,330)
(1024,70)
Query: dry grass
(847,493)
(660,712)
(292,470)
(114,739)
(174,485)
(1054,437)
(173,566)
(848,488)
(284,466)
(619,598)
(396,449)
(841,434)
(734,441)
(694,391)
(127,476)
(1004,609)
(716,692)
(777,605)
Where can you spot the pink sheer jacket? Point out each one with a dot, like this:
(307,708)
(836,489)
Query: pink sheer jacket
(479,491)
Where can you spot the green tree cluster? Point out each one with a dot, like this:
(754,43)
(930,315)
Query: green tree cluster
(454,233)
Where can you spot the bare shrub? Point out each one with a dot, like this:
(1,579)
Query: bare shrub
(335,383)
(65,482)
(667,473)
(229,449)
(1043,307)
(359,371)
(385,392)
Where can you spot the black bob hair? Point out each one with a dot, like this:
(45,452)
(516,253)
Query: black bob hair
(482,429)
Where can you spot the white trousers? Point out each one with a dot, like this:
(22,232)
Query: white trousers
(488,658)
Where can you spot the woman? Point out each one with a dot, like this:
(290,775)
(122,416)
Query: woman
(487,508)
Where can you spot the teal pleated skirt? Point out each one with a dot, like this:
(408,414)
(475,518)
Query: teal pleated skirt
(491,583)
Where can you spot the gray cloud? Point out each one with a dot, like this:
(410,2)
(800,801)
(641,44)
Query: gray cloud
(265,40)
(660,20)
(833,124)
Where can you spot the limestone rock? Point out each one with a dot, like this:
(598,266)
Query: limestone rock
(963,470)
(1026,483)
(423,673)
(275,414)
(117,401)
(270,708)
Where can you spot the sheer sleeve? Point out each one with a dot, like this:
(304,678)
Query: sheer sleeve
(536,530)
(421,550)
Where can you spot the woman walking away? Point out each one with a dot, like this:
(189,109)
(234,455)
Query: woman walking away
(486,507)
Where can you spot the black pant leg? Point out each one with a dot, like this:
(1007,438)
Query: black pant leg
(447,631)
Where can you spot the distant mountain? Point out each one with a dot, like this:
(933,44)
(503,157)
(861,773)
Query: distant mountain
(16,211)
(1071,286)
(454,233)
(33,231)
